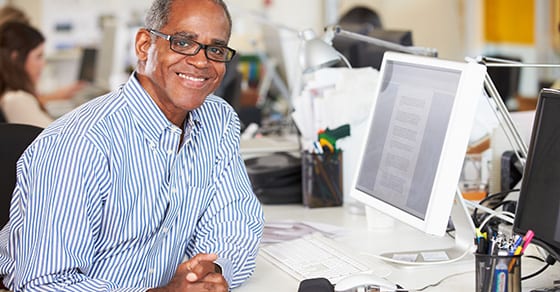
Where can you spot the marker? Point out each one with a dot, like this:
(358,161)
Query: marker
(527,239)
(521,249)
(516,245)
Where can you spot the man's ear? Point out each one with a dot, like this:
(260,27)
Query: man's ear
(142,44)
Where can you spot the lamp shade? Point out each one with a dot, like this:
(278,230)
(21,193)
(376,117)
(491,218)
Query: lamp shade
(316,53)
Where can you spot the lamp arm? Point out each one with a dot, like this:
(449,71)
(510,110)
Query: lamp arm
(421,51)
(499,62)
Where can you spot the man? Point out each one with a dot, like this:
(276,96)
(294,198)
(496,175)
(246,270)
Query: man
(115,194)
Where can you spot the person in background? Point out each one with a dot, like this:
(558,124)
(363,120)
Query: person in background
(360,19)
(142,189)
(9,13)
(22,61)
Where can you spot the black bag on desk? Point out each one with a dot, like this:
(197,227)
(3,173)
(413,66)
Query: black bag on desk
(276,178)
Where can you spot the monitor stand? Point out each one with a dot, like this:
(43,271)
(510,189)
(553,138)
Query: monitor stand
(461,249)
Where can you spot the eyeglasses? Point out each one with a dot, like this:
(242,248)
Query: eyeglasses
(189,47)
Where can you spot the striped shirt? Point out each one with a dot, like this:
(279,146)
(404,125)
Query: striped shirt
(107,199)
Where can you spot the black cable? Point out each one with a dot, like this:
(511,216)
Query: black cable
(549,262)
(535,258)
(494,201)
(535,273)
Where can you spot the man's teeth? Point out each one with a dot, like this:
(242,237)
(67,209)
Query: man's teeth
(191,77)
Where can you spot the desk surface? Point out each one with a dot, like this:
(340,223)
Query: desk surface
(401,237)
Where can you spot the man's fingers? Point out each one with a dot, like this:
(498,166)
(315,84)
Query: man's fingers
(199,266)
(201,257)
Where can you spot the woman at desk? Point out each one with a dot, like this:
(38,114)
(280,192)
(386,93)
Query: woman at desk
(21,62)
(9,13)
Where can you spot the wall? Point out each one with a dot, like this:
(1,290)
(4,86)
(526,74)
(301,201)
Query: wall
(434,23)
(453,27)
(456,29)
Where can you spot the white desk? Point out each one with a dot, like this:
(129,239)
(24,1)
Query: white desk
(268,277)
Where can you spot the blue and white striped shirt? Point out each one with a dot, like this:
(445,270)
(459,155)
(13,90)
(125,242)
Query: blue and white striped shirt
(107,199)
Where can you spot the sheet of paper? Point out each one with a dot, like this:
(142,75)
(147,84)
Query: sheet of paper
(278,231)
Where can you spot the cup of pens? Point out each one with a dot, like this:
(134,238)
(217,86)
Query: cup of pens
(322,178)
(498,261)
(498,273)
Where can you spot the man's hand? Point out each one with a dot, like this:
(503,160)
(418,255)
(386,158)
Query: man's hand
(196,274)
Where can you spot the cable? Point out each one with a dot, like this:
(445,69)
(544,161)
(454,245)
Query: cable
(535,273)
(468,250)
(496,197)
(433,284)
(441,281)
(550,258)
(535,258)
(495,215)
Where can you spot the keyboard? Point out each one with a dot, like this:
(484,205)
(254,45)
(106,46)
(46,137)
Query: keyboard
(313,256)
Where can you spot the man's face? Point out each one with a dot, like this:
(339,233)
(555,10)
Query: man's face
(179,83)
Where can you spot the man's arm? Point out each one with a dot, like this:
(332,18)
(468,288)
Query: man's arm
(232,225)
(52,240)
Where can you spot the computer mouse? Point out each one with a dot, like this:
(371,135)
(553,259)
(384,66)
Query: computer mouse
(364,282)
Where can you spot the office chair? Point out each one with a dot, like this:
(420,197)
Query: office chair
(230,88)
(15,139)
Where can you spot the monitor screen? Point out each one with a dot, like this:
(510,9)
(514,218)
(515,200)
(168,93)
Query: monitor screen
(88,60)
(418,133)
(538,207)
(361,54)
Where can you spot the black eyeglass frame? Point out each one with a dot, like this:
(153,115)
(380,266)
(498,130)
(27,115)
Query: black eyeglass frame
(230,53)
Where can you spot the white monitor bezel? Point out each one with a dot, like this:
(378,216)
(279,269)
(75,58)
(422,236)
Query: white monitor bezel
(469,89)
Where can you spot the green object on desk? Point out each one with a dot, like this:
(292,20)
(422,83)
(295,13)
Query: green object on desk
(329,137)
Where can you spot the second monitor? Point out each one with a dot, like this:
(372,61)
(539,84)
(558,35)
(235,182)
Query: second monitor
(361,54)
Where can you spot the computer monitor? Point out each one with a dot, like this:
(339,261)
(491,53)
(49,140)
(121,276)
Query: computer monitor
(538,207)
(416,142)
(361,54)
(86,71)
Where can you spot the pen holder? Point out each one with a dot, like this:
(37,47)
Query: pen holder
(322,179)
(498,273)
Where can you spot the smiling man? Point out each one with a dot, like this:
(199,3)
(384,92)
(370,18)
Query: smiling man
(143,188)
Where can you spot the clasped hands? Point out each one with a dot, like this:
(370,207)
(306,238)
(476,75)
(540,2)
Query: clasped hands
(199,273)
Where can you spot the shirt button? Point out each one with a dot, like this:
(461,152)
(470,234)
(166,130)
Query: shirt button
(174,190)
(170,151)
(151,271)
(165,229)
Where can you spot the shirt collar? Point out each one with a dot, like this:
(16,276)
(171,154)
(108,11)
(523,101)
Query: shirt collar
(146,112)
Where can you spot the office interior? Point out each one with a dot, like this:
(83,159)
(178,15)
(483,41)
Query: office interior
(266,77)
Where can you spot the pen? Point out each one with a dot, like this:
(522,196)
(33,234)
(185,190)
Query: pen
(516,244)
(527,239)
(490,240)
(521,249)
(481,242)
(317,147)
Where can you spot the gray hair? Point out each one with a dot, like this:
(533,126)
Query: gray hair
(158,14)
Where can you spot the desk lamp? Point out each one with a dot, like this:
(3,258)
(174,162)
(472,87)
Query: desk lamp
(501,111)
(318,52)
(335,30)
